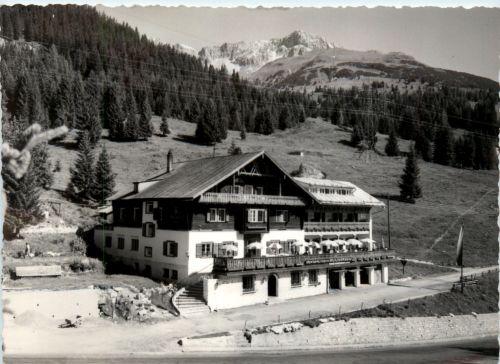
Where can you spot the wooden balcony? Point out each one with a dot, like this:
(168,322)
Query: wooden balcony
(227,265)
(247,199)
(312,226)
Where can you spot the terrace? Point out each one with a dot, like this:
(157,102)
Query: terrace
(228,265)
(241,198)
(328,226)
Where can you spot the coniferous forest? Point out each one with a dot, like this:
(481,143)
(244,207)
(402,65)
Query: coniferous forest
(70,65)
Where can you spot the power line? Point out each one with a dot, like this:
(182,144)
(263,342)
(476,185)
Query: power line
(196,96)
(247,83)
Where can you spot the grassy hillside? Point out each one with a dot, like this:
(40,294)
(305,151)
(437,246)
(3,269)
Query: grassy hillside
(426,230)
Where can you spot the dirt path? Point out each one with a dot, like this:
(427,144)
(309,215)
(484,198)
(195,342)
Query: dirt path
(102,336)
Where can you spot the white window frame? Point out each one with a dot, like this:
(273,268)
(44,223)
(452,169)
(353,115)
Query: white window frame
(216,215)
(146,207)
(248,190)
(149,249)
(291,278)
(282,216)
(259,190)
(257,215)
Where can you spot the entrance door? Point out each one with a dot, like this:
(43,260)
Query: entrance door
(333,279)
(272,286)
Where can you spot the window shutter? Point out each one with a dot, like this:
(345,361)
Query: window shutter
(268,249)
(257,253)
(153,227)
(208,215)
(143,229)
(198,251)
(165,248)
(212,252)
(174,247)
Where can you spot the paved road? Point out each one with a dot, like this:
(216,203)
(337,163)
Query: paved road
(480,351)
(101,336)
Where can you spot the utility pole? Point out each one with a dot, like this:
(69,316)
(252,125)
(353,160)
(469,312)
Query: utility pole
(388,222)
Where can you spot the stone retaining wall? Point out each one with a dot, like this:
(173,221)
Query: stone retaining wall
(356,332)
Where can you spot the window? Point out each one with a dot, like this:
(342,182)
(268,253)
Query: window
(149,207)
(282,216)
(313,277)
(236,189)
(363,217)
(295,278)
(352,217)
(121,243)
(148,229)
(174,275)
(227,249)
(121,214)
(108,241)
(259,190)
(248,189)
(170,248)
(147,270)
(216,215)
(337,216)
(204,250)
(248,284)
(134,244)
(148,251)
(166,273)
(257,215)
(137,214)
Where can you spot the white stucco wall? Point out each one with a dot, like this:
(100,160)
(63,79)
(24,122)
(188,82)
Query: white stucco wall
(227,292)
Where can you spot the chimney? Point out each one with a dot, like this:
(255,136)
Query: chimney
(170,161)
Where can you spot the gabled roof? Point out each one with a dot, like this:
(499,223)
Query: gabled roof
(358,197)
(190,179)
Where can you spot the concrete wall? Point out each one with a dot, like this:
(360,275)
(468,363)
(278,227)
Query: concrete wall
(363,332)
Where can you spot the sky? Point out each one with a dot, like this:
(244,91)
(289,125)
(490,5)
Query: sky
(271,3)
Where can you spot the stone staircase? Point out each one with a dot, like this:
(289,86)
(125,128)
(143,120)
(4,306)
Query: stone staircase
(191,302)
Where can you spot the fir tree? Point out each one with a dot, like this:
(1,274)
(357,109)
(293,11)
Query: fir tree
(392,148)
(284,119)
(131,130)
(164,129)
(145,126)
(423,147)
(410,180)
(82,173)
(114,113)
(206,130)
(104,181)
(234,149)
(24,203)
(42,169)
(443,146)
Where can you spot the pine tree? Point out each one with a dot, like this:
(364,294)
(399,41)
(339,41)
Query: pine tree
(392,148)
(82,173)
(410,180)
(145,126)
(164,129)
(443,146)
(114,113)
(104,181)
(206,130)
(131,130)
(423,147)
(284,119)
(41,166)
(24,203)
(234,149)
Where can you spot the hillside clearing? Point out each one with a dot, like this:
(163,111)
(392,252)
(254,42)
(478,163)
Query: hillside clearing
(426,230)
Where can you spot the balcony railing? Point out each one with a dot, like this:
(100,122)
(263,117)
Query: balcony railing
(313,226)
(222,198)
(245,264)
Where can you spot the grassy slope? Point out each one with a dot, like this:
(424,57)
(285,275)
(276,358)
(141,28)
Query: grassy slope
(450,195)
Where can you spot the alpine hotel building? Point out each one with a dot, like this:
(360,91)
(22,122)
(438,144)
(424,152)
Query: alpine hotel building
(246,229)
